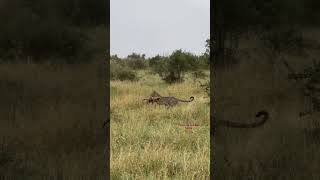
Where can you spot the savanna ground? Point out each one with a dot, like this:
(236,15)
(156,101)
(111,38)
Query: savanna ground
(51,118)
(287,146)
(146,140)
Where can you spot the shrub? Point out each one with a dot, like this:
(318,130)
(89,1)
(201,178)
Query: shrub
(137,63)
(155,60)
(204,62)
(159,66)
(119,71)
(172,69)
(126,74)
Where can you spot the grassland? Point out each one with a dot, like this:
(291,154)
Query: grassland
(146,142)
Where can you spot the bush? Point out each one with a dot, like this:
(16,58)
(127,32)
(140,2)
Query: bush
(154,60)
(204,62)
(159,65)
(172,69)
(119,71)
(126,74)
(137,63)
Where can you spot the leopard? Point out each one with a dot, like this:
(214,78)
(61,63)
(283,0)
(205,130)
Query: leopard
(152,97)
(169,101)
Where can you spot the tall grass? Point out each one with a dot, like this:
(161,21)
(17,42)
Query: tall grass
(146,140)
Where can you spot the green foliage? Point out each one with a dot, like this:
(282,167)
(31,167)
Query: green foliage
(203,61)
(170,68)
(137,64)
(134,61)
(136,56)
(155,61)
(114,57)
(120,71)
(183,61)
(173,68)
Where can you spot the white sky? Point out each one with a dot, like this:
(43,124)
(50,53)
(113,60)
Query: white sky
(154,27)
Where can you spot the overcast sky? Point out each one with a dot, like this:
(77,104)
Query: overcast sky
(154,27)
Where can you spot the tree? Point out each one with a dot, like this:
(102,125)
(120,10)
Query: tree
(114,57)
(137,61)
(134,56)
(155,60)
(173,68)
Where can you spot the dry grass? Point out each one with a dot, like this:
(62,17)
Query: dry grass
(147,143)
(51,121)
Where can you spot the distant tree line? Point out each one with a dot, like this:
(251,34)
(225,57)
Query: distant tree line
(38,30)
(170,68)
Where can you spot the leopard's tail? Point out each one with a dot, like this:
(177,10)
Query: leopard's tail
(191,99)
